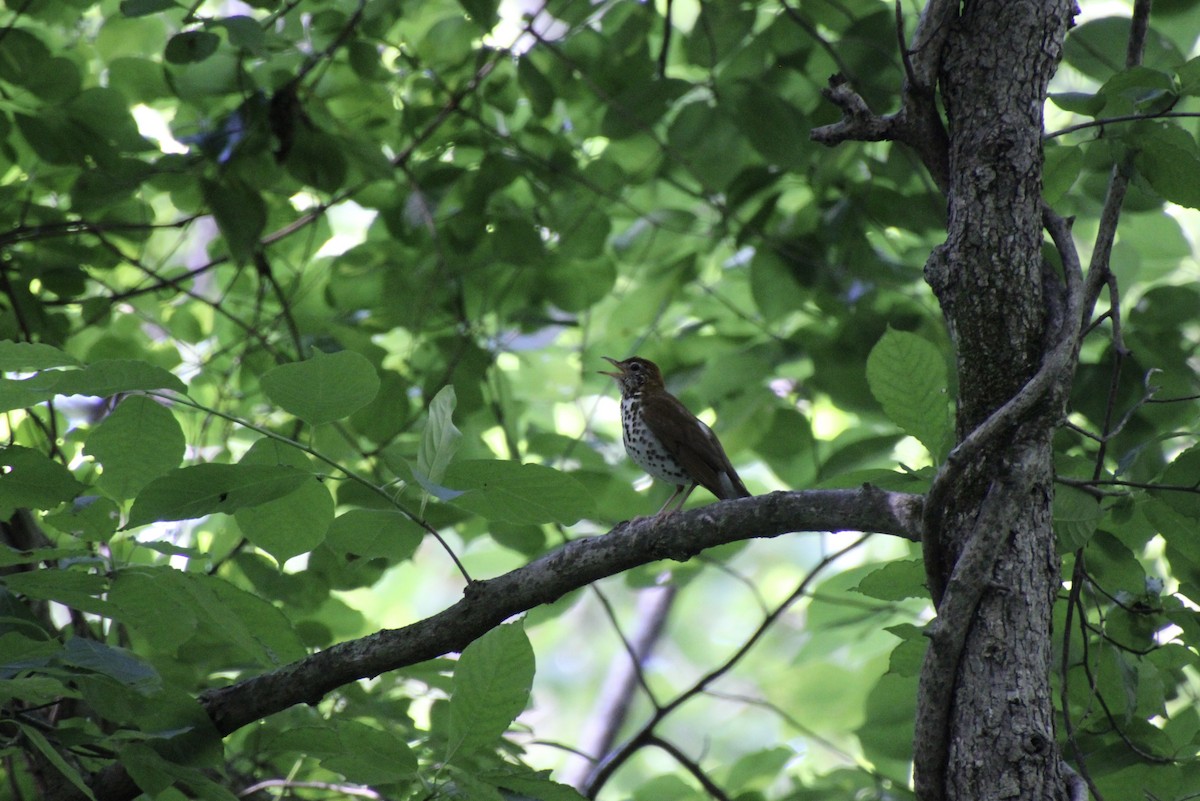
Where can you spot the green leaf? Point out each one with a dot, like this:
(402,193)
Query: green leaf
(1097,48)
(137,443)
(317,158)
(371,533)
(758,770)
(907,657)
(538,90)
(774,286)
(54,758)
(1169,160)
(295,523)
(438,443)
(116,663)
(22,56)
(169,607)
(483,13)
(1184,471)
(31,480)
(73,588)
(886,735)
(1084,103)
(491,687)
(291,525)
(325,388)
(895,581)
(190,47)
(191,492)
(1076,516)
(158,777)
(141,8)
(29,356)
(90,517)
(531,786)
(111,376)
(1060,170)
(101,379)
(907,375)
(240,213)
(370,755)
(518,493)
(244,32)
(1138,90)
(236,617)
(153,605)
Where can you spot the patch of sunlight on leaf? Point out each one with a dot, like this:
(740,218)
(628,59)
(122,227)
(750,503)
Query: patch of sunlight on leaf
(510,32)
(911,453)
(349,222)
(1189,221)
(568,420)
(828,421)
(494,439)
(399,345)
(152,124)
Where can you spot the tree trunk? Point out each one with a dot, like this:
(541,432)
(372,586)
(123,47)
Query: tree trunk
(991,540)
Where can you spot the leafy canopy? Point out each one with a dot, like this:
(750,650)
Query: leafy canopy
(302,307)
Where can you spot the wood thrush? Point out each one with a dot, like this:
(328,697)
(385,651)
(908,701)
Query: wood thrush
(666,440)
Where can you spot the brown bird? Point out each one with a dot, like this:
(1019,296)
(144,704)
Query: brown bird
(666,440)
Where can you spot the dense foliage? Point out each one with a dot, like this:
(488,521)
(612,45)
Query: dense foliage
(301,307)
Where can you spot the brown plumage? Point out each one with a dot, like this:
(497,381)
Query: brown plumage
(666,440)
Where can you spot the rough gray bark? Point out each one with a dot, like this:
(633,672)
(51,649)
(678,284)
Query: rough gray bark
(985,726)
(990,540)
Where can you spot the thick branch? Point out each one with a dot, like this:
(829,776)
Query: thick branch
(486,604)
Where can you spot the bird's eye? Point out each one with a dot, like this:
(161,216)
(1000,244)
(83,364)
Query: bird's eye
(635,367)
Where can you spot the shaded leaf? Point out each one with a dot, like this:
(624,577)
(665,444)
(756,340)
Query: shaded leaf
(907,375)
(203,489)
(1076,516)
(370,755)
(29,356)
(518,493)
(51,754)
(895,581)
(240,213)
(325,388)
(492,681)
(137,443)
(371,533)
(191,46)
(29,479)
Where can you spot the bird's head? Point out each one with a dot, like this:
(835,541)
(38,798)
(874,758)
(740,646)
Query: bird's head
(634,374)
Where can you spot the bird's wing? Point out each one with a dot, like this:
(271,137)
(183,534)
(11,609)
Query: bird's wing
(694,446)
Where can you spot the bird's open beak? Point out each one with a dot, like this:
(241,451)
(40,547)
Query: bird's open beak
(618,375)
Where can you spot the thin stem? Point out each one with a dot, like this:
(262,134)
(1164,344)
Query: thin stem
(350,474)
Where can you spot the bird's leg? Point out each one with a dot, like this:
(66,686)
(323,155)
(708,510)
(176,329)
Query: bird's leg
(679,489)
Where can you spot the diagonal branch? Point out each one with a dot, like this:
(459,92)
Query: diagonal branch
(645,735)
(486,604)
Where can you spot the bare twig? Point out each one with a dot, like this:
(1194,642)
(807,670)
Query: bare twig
(644,735)
(690,765)
(625,675)
(918,123)
(1100,123)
